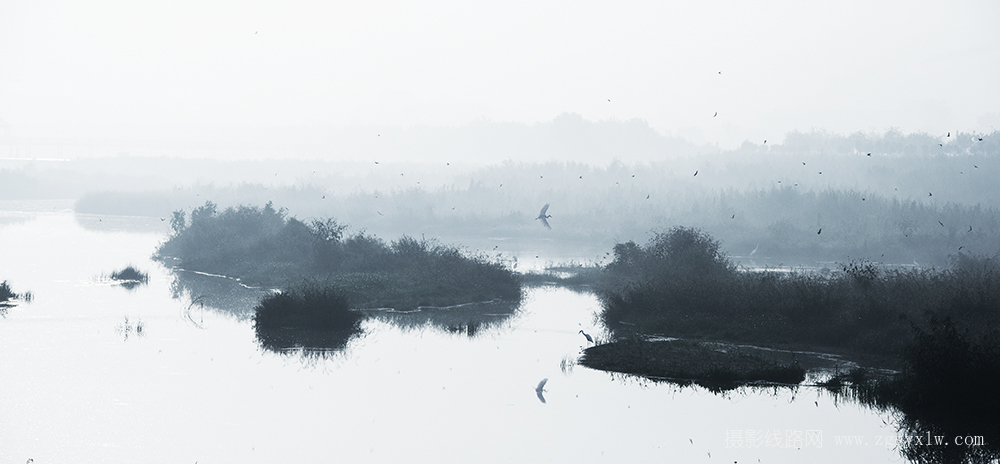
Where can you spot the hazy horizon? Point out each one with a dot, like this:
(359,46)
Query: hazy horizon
(713,74)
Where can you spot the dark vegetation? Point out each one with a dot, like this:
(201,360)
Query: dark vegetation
(946,387)
(307,315)
(712,366)
(7,296)
(682,284)
(130,277)
(939,327)
(265,246)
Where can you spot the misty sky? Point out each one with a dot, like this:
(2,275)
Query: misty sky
(163,69)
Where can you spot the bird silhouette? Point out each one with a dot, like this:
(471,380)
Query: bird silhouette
(716,114)
(544,217)
(869,154)
(820,231)
(942,224)
(754,248)
(930,194)
(540,389)
(696,173)
(585,334)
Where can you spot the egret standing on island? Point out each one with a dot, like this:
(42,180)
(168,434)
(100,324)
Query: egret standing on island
(585,334)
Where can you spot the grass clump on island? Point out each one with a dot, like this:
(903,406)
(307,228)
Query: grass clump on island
(130,277)
(263,245)
(7,295)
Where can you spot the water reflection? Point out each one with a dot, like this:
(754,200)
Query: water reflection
(220,294)
(126,224)
(305,342)
(948,439)
(469,318)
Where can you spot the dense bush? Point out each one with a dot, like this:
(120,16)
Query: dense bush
(680,284)
(263,245)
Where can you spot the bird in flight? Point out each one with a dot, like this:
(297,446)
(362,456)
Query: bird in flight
(540,389)
(820,231)
(544,217)
(716,114)
(696,172)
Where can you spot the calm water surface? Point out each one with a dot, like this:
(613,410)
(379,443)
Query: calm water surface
(77,384)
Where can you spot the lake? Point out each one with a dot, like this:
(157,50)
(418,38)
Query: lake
(171,372)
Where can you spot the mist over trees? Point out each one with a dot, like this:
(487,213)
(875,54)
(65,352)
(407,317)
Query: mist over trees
(817,196)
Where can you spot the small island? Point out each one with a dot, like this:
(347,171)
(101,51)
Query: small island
(326,275)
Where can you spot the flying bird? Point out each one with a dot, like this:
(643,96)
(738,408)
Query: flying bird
(716,114)
(585,334)
(869,154)
(541,388)
(930,194)
(696,172)
(754,248)
(942,224)
(970,228)
(949,134)
(820,231)
(544,217)
(734,216)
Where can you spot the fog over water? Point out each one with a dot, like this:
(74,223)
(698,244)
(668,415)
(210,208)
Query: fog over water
(804,137)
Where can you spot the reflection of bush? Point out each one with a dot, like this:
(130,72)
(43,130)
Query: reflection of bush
(262,245)
(946,388)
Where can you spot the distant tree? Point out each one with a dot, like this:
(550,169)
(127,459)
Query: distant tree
(178,221)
